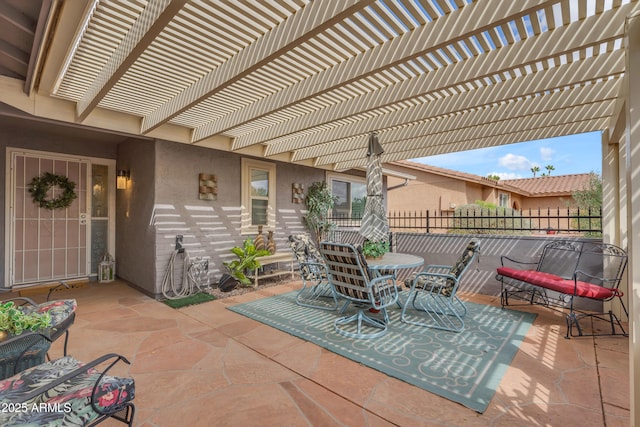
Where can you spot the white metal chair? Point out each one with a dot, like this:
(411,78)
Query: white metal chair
(316,290)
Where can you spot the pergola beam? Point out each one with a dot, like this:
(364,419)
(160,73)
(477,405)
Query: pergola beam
(569,105)
(151,22)
(492,141)
(567,75)
(540,48)
(311,20)
(428,38)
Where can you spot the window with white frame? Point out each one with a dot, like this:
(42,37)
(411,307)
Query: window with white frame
(503,200)
(350,193)
(258,195)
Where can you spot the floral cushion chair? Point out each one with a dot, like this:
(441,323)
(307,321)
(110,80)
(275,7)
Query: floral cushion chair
(433,300)
(316,290)
(73,393)
(62,312)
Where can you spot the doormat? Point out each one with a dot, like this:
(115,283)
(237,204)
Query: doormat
(464,367)
(194,299)
(49,289)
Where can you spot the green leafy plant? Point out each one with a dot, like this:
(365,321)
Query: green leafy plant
(589,199)
(319,201)
(14,321)
(375,249)
(247,255)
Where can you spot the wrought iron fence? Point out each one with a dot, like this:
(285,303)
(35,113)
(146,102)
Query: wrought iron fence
(583,222)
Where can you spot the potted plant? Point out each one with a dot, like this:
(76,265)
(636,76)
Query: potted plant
(374,250)
(247,255)
(319,201)
(14,321)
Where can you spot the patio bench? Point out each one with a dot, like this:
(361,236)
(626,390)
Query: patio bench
(67,392)
(565,273)
(276,258)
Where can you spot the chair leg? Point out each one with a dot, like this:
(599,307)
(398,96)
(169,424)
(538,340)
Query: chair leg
(440,312)
(360,319)
(573,319)
(320,295)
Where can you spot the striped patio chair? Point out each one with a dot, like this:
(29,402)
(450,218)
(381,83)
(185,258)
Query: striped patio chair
(350,278)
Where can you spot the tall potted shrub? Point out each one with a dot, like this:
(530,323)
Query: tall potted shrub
(319,201)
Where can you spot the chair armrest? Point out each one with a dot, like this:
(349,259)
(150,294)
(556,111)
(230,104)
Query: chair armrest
(515,262)
(79,371)
(313,264)
(434,268)
(375,280)
(316,269)
(23,299)
(385,290)
(53,289)
(591,278)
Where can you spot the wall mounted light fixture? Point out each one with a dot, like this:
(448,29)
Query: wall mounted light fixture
(122,176)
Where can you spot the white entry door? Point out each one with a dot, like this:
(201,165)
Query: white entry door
(47,245)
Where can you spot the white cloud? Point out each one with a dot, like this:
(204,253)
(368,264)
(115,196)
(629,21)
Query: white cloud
(547,153)
(507,175)
(515,162)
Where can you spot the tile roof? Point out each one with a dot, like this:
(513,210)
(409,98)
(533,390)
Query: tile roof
(560,185)
(551,185)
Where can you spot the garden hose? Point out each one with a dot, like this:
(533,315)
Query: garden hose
(194,277)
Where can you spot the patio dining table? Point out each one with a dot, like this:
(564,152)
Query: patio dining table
(394,261)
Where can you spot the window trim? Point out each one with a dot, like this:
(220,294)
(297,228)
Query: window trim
(344,178)
(269,167)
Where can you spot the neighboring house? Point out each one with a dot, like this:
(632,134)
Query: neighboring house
(439,190)
(546,192)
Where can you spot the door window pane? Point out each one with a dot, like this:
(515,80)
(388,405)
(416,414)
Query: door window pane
(340,190)
(351,198)
(358,199)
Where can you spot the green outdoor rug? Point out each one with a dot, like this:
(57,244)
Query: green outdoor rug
(464,367)
(198,298)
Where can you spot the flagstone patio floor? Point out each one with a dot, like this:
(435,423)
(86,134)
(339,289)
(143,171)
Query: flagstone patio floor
(204,365)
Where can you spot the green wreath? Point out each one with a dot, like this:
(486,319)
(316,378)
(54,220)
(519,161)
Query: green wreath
(40,186)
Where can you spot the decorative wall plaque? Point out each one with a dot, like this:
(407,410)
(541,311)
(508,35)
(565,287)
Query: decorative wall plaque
(208,187)
(297,193)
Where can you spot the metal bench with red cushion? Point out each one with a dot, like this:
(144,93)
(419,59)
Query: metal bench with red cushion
(564,272)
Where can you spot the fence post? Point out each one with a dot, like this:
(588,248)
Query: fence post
(427,228)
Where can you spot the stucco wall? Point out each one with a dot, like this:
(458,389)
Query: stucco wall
(48,137)
(209,228)
(135,234)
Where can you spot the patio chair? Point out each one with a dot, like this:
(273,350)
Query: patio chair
(62,312)
(433,293)
(316,290)
(21,352)
(349,275)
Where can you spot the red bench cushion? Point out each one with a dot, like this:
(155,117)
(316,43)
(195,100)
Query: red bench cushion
(557,283)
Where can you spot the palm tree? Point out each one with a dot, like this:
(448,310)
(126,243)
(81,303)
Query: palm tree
(535,170)
(549,168)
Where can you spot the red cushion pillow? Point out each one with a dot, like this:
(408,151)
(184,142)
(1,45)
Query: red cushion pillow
(557,283)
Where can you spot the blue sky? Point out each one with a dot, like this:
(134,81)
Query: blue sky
(572,154)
